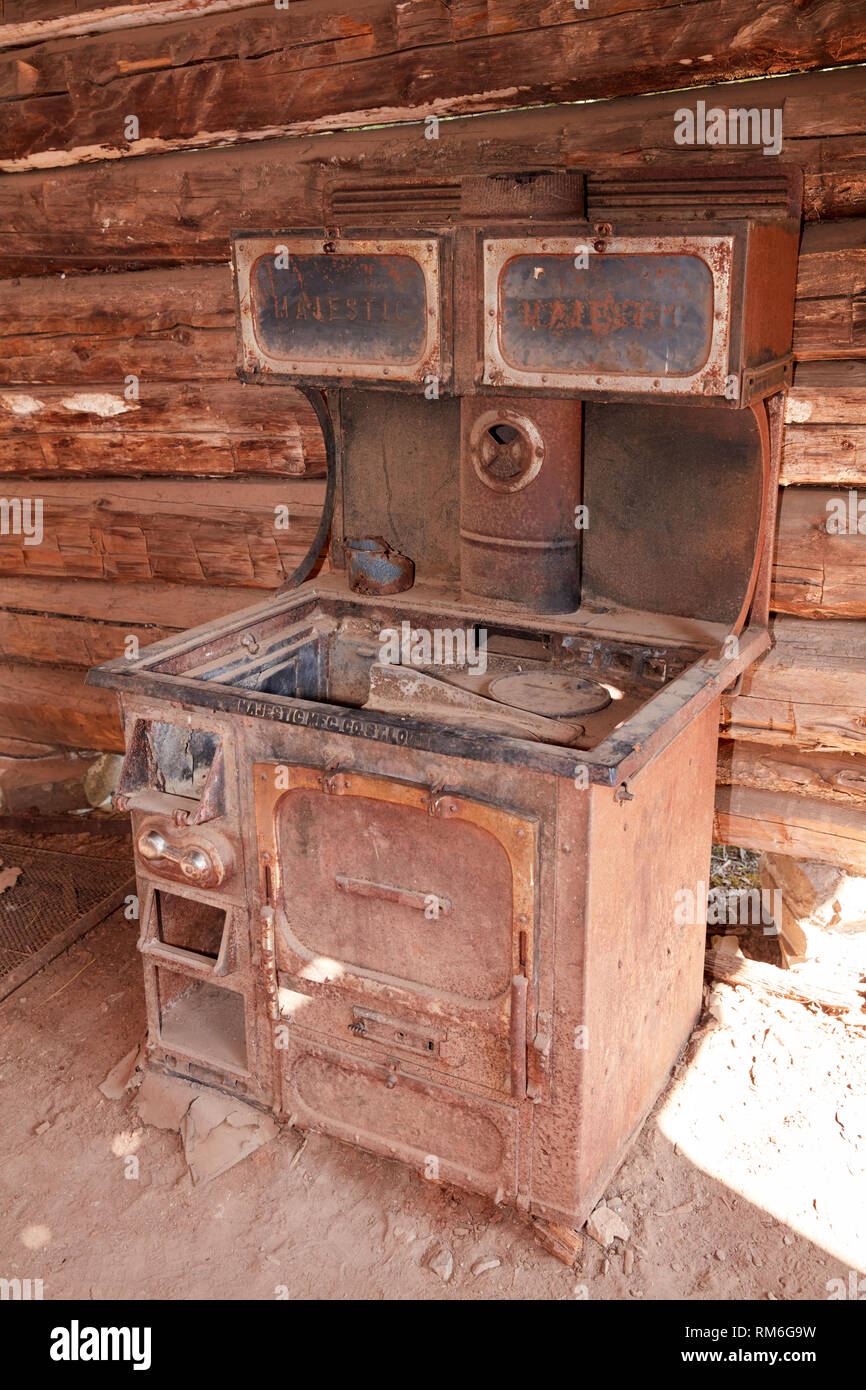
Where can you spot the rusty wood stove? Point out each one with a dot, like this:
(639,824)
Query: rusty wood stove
(411,835)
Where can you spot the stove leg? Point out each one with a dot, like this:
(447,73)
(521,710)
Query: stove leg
(563,1242)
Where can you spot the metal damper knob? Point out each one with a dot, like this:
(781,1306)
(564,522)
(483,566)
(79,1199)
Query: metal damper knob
(507,450)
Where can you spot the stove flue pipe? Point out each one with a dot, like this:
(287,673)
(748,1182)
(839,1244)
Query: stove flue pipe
(520,488)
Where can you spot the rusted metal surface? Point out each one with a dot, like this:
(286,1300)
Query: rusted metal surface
(339,309)
(608,312)
(520,479)
(198,857)
(373,567)
(426,904)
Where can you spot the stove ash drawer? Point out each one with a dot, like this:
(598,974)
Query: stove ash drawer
(402,1032)
(403,920)
(449,1136)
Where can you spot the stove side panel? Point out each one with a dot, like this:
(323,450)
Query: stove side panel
(630,928)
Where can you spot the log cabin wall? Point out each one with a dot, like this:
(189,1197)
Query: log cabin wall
(135,136)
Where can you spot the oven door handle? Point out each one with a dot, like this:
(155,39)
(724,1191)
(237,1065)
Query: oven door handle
(519,1001)
(431,904)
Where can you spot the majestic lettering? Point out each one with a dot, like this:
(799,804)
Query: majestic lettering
(348,308)
(635,314)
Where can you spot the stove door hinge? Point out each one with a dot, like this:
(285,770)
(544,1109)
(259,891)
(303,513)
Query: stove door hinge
(269,962)
(538,1059)
(443,806)
(335,785)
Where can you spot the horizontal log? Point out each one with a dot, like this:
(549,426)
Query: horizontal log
(783,984)
(809,691)
(825,453)
(825,424)
(837,777)
(26,22)
(53,705)
(45,639)
(155,325)
(265,71)
(84,622)
(139,531)
(796,825)
(210,429)
(181,208)
(817,572)
(830,313)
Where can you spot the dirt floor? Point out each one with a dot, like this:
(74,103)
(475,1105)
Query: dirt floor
(746,1182)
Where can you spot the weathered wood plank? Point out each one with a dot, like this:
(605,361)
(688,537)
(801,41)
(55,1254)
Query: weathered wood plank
(203,428)
(818,573)
(794,825)
(827,393)
(155,325)
(837,777)
(46,639)
(26,22)
(768,980)
(182,208)
(138,531)
(825,424)
(830,312)
(826,453)
(266,71)
(809,691)
(83,622)
(52,704)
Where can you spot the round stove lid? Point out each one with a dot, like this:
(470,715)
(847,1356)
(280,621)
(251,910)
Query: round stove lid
(552,693)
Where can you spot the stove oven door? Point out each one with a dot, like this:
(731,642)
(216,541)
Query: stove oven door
(398,932)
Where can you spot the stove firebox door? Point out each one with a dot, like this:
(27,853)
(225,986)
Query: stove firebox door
(403,922)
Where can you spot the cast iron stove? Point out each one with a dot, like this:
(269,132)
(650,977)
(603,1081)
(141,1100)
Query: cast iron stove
(411,834)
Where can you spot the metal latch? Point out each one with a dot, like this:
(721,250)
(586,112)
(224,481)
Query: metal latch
(395,1032)
(538,1080)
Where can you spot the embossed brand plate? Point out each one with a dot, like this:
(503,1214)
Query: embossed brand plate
(340,309)
(647,313)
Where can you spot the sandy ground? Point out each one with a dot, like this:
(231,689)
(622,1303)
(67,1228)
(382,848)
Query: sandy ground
(746,1182)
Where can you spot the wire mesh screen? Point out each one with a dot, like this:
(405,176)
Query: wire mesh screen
(47,894)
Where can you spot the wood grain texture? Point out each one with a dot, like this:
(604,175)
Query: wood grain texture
(237,76)
(79,623)
(799,826)
(27,22)
(830,312)
(825,425)
(837,777)
(181,208)
(206,429)
(808,692)
(51,704)
(818,573)
(156,325)
(127,531)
